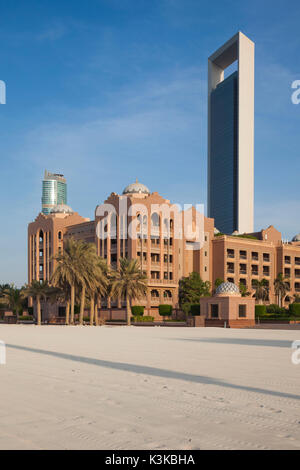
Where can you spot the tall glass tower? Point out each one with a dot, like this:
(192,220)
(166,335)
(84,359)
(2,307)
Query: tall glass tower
(231,136)
(54,191)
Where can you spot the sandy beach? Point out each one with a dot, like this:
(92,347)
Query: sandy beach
(148,388)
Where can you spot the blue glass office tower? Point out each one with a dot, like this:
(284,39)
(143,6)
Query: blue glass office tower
(230,181)
(223,171)
(54,191)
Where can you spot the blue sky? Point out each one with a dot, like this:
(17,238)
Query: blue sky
(106,91)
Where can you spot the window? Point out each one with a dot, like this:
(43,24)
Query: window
(230,267)
(167,294)
(61,311)
(242,311)
(287,260)
(254,269)
(266,257)
(266,271)
(155,294)
(297,273)
(243,254)
(297,260)
(230,279)
(254,255)
(214,310)
(230,253)
(243,269)
(243,282)
(59,235)
(287,272)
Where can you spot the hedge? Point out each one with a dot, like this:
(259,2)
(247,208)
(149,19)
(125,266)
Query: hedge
(195,309)
(147,318)
(294,310)
(260,310)
(274,308)
(165,310)
(137,310)
(25,318)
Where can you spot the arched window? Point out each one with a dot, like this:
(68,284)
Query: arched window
(41,236)
(59,235)
(155,294)
(167,294)
(154,220)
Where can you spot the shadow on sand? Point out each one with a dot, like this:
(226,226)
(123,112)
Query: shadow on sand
(153,371)
(273,343)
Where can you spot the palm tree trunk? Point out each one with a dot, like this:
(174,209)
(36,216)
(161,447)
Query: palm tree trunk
(68,313)
(128,310)
(38,305)
(72,303)
(92,310)
(96,314)
(82,304)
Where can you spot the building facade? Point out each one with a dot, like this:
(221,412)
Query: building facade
(138,224)
(231,136)
(54,191)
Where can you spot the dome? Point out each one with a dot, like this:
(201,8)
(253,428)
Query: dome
(296,238)
(136,188)
(61,209)
(227,288)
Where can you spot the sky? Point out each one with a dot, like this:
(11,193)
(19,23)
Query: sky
(107,91)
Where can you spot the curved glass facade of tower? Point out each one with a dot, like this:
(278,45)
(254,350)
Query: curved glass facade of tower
(54,191)
(223,171)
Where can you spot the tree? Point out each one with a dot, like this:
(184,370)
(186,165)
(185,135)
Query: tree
(261,290)
(69,269)
(129,283)
(192,288)
(37,290)
(281,287)
(244,290)
(12,297)
(100,289)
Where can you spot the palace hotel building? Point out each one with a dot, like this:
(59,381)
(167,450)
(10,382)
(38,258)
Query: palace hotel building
(228,248)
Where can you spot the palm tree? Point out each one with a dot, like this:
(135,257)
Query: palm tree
(244,290)
(13,297)
(281,287)
(261,290)
(99,288)
(37,290)
(68,271)
(129,283)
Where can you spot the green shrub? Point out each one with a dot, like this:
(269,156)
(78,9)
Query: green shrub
(86,319)
(294,310)
(147,318)
(260,310)
(137,310)
(25,317)
(276,310)
(195,310)
(165,310)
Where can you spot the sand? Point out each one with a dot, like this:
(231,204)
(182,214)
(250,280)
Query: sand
(148,388)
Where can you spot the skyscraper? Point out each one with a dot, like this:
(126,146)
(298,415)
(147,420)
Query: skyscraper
(231,136)
(54,191)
